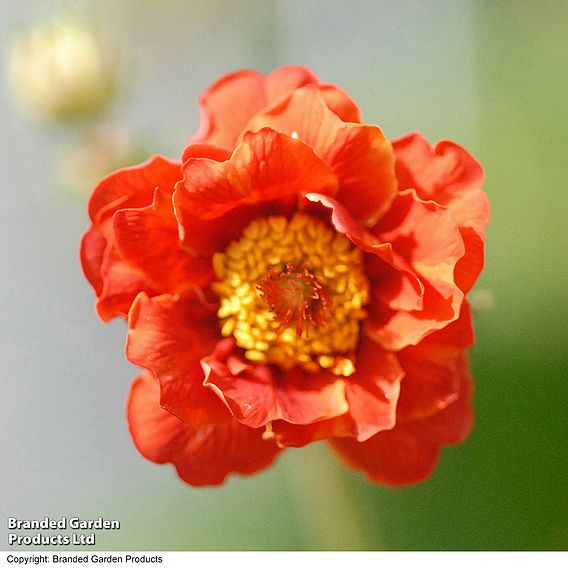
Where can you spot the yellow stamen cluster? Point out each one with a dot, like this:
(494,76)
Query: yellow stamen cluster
(267,246)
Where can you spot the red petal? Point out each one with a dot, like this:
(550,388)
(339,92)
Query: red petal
(285,79)
(392,280)
(471,214)
(230,102)
(343,222)
(202,457)
(409,452)
(449,175)
(205,151)
(258,394)
(148,239)
(360,155)
(432,370)
(169,337)
(116,281)
(134,186)
(340,103)
(93,247)
(121,284)
(266,166)
(207,237)
(371,393)
(426,237)
(441,173)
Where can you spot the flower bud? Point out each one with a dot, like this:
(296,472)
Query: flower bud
(58,70)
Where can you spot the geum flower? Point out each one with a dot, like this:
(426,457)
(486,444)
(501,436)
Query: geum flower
(296,277)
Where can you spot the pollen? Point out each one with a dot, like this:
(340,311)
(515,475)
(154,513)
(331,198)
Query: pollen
(292,293)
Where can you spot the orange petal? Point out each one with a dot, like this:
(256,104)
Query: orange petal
(148,239)
(340,103)
(266,166)
(205,151)
(426,237)
(121,284)
(442,173)
(169,336)
(360,156)
(432,369)
(449,175)
(259,394)
(134,186)
(371,394)
(93,245)
(202,457)
(230,102)
(116,281)
(471,213)
(392,280)
(409,452)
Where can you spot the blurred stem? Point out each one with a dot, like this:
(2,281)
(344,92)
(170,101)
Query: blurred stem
(328,517)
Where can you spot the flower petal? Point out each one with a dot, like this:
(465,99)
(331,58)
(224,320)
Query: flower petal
(371,393)
(360,155)
(134,186)
(205,151)
(230,102)
(121,284)
(340,103)
(449,175)
(441,174)
(266,166)
(116,281)
(169,336)
(426,237)
(148,239)
(471,214)
(93,245)
(409,452)
(258,394)
(392,280)
(202,457)
(432,369)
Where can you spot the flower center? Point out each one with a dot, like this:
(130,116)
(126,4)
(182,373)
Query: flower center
(292,294)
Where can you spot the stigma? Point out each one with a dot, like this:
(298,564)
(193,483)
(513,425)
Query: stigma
(292,293)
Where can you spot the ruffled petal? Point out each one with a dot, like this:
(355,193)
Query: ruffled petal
(449,175)
(371,394)
(93,245)
(116,281)
(148,239)
(134,186)
(259,394)
(471,213)
(169,336)
(205,151)
(230,102)
(121,284)
(441,173)
(432,369)
(360,155)
(202,456)
(393,282)
(426,237)
(340,103)
(409,452)
(266,166)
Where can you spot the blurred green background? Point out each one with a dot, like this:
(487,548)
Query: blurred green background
(489,75)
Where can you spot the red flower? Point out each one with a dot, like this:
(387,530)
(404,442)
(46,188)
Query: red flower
(296,277)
